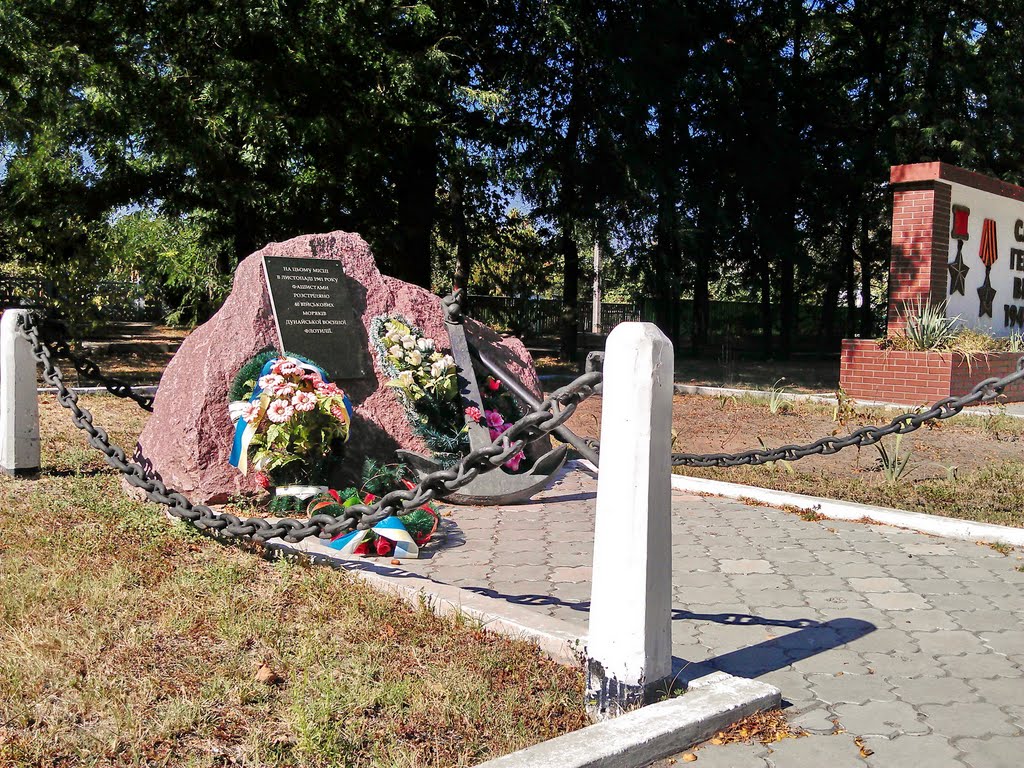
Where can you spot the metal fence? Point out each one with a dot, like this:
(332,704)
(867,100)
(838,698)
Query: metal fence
(533,317)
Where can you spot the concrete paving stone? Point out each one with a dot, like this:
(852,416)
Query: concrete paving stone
(934,690)
(911,571)
(858,570)
(718,594)
(820,583)
(840,660)
(749,662)
(958,602)
(849,688)
(568,590)
(832,751)
(926,620)
(1006,641)
(529,557)
(844,600)
(880,718)
(883,584)
(908,750)
(1000,691)
(896,601)
(801,569)
(728,756)
(987,620)
(463,574)
(522,573)
(948,642)
(746,566)
(791,555)
(927,548)
(574,574)
(928,586)
(981,666)
(885,640)
(698,579)
(995,752)
(817,720)
(758,581)
(775,599)
(682,563)
(972,576)
(518,544)
(968,720)
(1004,595)
(908,665)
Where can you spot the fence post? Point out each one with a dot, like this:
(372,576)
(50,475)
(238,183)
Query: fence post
(629,648)
(19,407)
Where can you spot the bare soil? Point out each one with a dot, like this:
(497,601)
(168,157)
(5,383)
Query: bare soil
(968,466)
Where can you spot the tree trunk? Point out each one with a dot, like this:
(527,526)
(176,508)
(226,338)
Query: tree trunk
(417,194)
(463,258)
(667,249)
(568,204)
(867,318)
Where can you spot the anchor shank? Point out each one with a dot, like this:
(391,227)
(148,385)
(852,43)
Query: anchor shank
(518,389)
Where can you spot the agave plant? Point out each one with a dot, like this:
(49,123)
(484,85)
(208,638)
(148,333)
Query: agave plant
(927,327)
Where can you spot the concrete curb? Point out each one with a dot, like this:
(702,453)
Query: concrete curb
(947,527)
(650,733)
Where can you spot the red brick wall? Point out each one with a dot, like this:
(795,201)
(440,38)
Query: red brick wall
(920,246)
(868,372)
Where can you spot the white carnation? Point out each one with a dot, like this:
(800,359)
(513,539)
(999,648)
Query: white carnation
(409,341)
(425,345)
(396,352)
(413,357)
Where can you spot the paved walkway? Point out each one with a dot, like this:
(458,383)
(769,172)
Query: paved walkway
(911,642)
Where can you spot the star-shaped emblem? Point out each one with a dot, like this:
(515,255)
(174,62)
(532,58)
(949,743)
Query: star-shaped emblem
(985,296)
(957,270)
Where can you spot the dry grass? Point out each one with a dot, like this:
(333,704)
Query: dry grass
(129,640)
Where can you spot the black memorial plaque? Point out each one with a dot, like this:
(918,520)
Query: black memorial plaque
(314,315)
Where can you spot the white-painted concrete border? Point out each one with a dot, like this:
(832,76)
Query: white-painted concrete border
(650,733)
(948,527)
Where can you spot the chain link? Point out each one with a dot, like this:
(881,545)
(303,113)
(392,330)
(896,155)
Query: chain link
(554,411)
(89,370)
(983,392)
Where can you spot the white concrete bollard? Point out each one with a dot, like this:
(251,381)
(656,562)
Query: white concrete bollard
(629,648)
(19,408)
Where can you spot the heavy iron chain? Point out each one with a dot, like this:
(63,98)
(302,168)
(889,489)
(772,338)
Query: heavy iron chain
(554,411)
(983,392)
(89,370)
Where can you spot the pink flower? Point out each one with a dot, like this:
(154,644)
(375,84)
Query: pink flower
(270,381)
(327,388)
(284,391)
(473,413)
(304,401)
(251,411)
(312,378)
(495,431)
(494,419)
(514,462)
(279,411)
(339,413)
(287,368)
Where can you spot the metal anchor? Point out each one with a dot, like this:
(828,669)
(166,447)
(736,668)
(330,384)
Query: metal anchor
(498,486)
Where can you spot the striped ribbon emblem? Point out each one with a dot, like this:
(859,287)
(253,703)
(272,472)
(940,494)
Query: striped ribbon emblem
(987,251)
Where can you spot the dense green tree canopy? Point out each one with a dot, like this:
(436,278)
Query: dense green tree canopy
(721,147)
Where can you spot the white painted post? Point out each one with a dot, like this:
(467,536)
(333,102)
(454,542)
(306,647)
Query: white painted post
(629,649)
(19,408)
(595,312)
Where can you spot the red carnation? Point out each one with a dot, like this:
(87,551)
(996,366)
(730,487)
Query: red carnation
(261,479)
(493,384)
(383,546)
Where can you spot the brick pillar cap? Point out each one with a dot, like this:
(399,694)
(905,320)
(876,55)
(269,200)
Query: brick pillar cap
(918,172)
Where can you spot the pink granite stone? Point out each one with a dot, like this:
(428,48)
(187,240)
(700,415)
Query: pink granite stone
(187,440)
